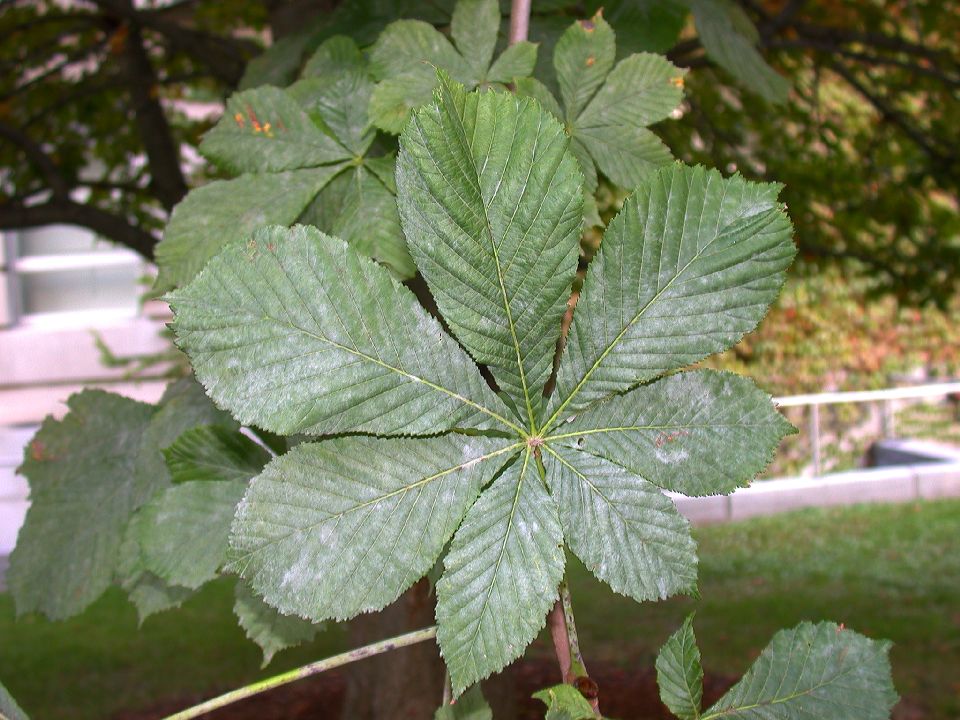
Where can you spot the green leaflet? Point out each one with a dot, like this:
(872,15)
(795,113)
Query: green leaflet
(368,218)
(688,266)
(344,526)
(697,433)
(214,452)
(408,53)
(148,593)
(224,211)
(469,706)
(9,710)
(294,332)
(268,628)
(501,576)
(813,671)
(335,56)
(583,57)
(607,108)
(564,702)
(83,490)
(185,530)
(730,40)
(265,130)
(679,673)
(491,205)
(624,529)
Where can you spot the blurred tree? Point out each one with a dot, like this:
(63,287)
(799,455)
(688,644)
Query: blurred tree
(853,104)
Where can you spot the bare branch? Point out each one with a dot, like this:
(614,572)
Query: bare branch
(68,212)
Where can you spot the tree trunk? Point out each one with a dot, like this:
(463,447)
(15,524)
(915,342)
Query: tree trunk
(405,684)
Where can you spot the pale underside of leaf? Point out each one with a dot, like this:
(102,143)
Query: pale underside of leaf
(491,205)
(698,433)
(340,527)
(500,577)
(689,265)
(224,211)
(627,532)
(680,674)
(295,332)
(813,671)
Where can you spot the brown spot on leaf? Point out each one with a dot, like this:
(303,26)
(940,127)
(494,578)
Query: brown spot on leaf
(591,60)
(678,81)
(588,25)
(37,451)
(239,120)
(663,438)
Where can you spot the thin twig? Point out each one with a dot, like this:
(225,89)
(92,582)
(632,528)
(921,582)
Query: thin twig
(411,638)
(519,21)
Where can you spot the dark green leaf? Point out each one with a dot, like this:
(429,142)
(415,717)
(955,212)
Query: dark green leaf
(627,532)
(698,433)
(294,332)
(214,452)
(340,527)
(501,576)
(813,671)
(688,266)
(491,204)
(564,702)
(679,673)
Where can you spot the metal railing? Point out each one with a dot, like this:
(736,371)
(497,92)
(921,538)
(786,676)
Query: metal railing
(882,398)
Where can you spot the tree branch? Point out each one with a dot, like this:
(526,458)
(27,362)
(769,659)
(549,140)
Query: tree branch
(163,154)
(37,157)
(65,211)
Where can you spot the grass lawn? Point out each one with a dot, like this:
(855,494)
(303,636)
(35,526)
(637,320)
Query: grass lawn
(888,571)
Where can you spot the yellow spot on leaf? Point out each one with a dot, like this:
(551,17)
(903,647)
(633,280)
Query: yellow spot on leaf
(239,119)
(678,81)
(591,60)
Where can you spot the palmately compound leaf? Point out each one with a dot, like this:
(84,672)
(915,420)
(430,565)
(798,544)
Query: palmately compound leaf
(469,706)
(185,530)
(339,527)
(730,40)
(607,109)
(627,532)
(501,576)
(265,130)
(491,205)
(698,433)
(83,490)
(226,211)
(564,702)
(813,671)
(680,674)
(689,265)
(293,331)
(406,55)
(269,629)
(214,452)
(9,709)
